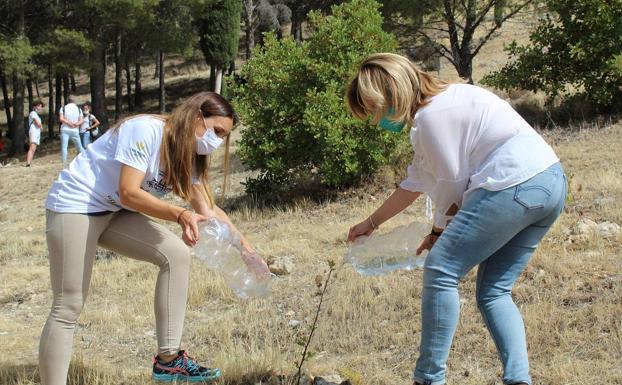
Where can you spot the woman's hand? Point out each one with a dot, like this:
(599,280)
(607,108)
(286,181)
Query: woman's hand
(189,223)
(256,264)
(363,228)
(429,240)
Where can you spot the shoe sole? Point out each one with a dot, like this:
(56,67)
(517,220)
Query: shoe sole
(182,378)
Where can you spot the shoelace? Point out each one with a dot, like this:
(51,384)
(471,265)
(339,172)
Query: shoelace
(190,363)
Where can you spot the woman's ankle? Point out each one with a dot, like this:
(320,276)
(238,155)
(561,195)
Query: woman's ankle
(166,358)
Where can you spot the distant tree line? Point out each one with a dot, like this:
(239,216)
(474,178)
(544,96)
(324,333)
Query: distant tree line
(54,40)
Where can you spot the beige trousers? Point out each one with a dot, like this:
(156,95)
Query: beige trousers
(72,240)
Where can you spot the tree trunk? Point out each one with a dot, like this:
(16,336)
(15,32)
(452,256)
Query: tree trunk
(16,131)
(118,73)
(465,68)
(128,84)
(66,91)
(212,77)
(98,84)
(499,11)
(297,26)
(248,27)
(59,92)
(157,67)
(51,111)
(162,100)
(37,90)
(218,80)
(72,80)
(30,93)
(138,89)
(7,100)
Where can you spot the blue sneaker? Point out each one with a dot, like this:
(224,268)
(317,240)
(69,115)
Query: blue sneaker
(182,368)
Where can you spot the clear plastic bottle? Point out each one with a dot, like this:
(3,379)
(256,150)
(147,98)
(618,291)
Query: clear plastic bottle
(220,248)
(381,253)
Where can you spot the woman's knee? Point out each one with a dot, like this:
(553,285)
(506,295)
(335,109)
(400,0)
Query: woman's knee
(434,277)
(68,309)
(487,293)
(174,253)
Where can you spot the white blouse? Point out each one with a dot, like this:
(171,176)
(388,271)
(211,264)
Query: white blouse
(467,138)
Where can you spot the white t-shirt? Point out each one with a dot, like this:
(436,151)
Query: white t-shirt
(72,113)
(88,120)
(468,138)
(32,117)
(91,182)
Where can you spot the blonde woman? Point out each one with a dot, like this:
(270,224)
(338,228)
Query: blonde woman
(497,188)
(106,198)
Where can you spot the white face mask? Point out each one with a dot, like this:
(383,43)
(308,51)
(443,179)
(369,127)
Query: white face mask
(208,143)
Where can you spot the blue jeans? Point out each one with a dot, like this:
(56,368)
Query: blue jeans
(85,139)
(499,231)
(65,135)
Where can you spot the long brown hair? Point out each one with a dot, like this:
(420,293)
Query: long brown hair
(387,80)
(178,153)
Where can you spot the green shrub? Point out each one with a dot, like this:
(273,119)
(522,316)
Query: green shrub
(291,100)
(576,49)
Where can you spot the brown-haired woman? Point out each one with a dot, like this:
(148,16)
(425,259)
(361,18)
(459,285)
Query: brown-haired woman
(105,198)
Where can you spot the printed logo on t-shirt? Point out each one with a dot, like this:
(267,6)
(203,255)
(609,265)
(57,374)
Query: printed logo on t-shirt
(111,200)
(156,186)
(139,150)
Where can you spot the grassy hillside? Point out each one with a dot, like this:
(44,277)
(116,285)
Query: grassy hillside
(369,328)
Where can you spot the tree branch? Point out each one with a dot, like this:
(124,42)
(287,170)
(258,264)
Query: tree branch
(484,39)
(439,48)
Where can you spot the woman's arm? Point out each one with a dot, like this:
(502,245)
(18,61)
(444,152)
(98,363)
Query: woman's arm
(202,207)
(94,119)
(38,123)
(134,197)
(395,204)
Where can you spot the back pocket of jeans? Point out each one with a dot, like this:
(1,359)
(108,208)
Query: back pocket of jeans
(532,197)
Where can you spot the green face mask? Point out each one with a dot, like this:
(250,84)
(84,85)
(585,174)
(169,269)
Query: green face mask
(390,125)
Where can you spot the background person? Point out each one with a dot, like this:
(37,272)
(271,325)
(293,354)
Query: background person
(71,119)
(88,128)
(497,187)
(34,130)
(106,197)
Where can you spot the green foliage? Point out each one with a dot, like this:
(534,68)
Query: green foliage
(577,48)
(16,55)
(291,99)
(219,30)
(64,49)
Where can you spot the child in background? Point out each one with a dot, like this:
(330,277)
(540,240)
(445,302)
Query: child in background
(34,130)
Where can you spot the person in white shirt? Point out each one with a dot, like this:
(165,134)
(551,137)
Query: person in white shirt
(497,187)
(106,198)
(88,128)
(71,119)
(34,130)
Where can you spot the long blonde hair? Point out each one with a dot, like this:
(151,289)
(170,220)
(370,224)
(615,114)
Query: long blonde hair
(387,80)
(178,153)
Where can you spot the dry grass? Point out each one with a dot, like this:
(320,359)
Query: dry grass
(570,293)
(369,328)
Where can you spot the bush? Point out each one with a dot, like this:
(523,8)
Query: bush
(574,50)
(291,100)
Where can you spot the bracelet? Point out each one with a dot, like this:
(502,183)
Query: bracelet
(436,233)
(179,216)
(371,222)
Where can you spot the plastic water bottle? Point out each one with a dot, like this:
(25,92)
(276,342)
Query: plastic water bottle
(381,253)
(221,249)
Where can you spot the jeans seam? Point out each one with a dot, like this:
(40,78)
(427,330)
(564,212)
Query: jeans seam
(484,317)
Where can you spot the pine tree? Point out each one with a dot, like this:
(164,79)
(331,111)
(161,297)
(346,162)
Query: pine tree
(218,25)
